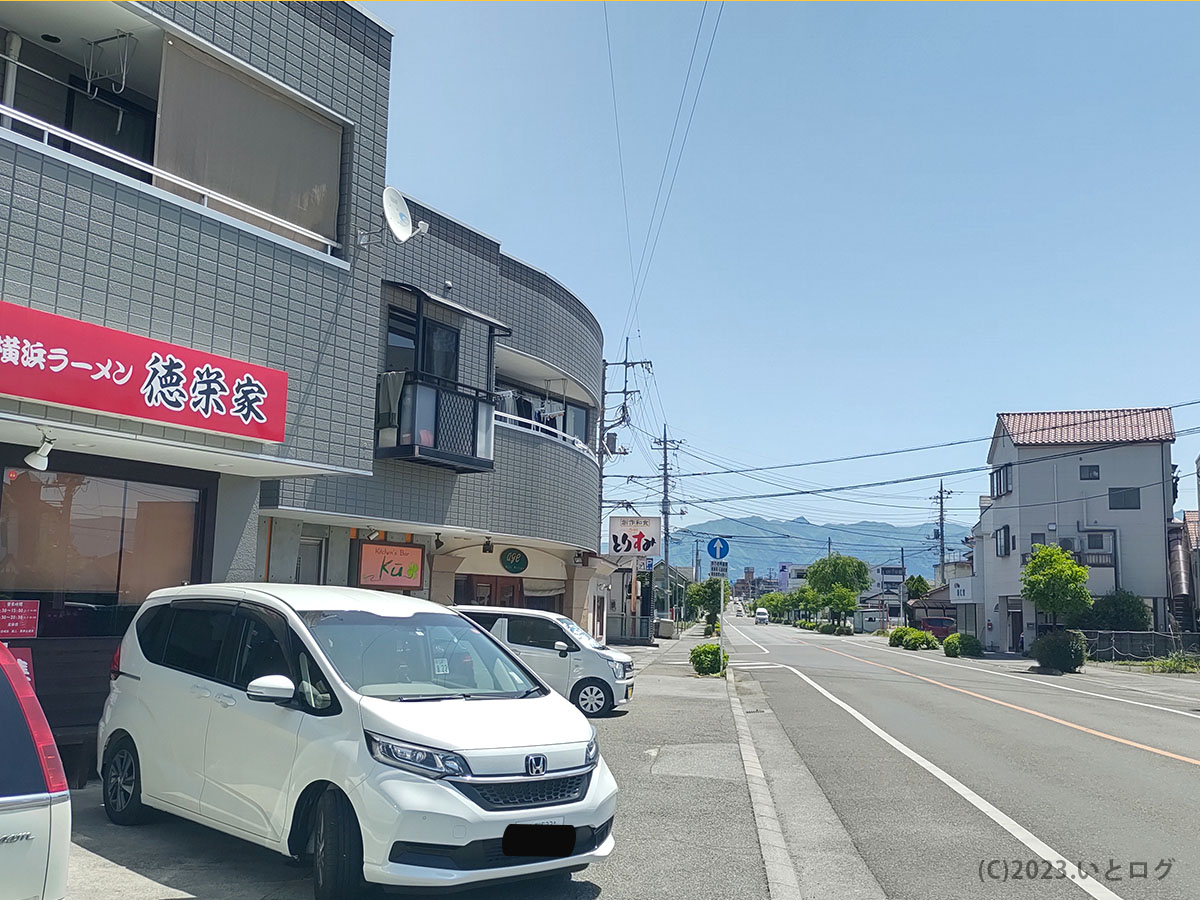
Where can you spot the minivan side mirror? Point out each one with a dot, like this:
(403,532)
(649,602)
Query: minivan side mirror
(561,647)
(271,689)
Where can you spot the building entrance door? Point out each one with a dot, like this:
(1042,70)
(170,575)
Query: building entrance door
(1016,629)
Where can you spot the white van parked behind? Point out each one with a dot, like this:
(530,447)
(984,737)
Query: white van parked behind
(594,677)
(388,739)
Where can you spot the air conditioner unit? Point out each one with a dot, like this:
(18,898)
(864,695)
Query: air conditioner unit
(1067,544)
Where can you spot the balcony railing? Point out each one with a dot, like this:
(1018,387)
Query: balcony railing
(546,431)
(207,196)
(430,420)
(1098,558)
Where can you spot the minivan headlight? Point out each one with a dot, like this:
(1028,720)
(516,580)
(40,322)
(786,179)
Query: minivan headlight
(414,758)
(618,669)
(593,750)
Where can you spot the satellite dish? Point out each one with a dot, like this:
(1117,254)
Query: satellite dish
(396,214)
(398,218)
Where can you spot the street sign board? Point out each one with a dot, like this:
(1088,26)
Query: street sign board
(718,568)
(718,548)
(634,535)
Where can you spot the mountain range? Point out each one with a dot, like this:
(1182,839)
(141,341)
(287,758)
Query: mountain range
(765,543)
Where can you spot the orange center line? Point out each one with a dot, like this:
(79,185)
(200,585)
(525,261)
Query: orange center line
(1032,712)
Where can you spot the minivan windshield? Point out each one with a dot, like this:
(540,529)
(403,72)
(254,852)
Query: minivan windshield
(425,656)
(579,633)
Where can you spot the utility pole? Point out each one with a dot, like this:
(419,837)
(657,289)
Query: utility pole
(623,418)
(940,497)
(829,546)
(903,588)
(666,445)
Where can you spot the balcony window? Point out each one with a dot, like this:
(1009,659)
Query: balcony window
(401,355)
(576,422)
(1095,542)
(428,420)
(439,351)
(108,86)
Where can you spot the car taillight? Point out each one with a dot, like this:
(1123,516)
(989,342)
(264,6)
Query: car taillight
(39,728)
(114,667)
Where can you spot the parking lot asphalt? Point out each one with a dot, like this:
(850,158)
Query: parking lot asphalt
(684,825)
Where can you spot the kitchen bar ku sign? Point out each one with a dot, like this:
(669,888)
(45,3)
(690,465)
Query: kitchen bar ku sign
(65,362)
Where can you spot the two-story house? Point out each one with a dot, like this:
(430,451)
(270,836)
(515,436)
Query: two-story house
(1098,483)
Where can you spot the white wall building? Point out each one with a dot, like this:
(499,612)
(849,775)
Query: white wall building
(1099,483)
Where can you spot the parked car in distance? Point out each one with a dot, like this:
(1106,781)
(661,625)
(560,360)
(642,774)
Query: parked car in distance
(761,616)
(35,805)
(940,627)
(387,739)
(739,613)
(594,677)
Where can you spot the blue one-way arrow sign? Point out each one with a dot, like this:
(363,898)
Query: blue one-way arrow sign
(718,548)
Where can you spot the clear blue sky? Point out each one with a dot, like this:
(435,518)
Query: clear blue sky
(890,222)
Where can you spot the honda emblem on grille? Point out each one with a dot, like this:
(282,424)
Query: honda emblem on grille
(535,764)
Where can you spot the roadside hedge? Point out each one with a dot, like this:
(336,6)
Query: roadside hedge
(1063,650)
(708,660)
(896,638)
(826,628)
(919,640)
(962,645)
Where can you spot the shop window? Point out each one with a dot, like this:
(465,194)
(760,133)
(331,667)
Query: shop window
(194,644)
(91,549)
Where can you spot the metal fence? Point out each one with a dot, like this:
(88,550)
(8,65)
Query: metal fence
(629,628)
(1115,645)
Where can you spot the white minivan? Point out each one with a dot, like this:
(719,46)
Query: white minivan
(389,740)
(761,616)
(594,677)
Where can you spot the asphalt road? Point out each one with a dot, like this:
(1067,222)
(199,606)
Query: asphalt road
(949,776)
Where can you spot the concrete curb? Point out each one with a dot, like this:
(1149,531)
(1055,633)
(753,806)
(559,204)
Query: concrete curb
(781,874)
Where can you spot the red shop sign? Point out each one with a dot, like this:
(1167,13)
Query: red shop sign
(18,618)
(66,362)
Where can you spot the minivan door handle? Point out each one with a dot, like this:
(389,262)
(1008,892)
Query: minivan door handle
(200,691)
(226,700)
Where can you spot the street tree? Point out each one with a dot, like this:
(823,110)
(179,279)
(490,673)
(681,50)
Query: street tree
(847,571)
(774,603)
(809,602)
(842,602)
(1055,583)
(1118,610)
(705,596)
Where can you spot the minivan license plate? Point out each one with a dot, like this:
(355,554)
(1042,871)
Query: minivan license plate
(539,840)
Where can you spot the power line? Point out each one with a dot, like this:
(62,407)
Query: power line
(612,80)
(1121,414)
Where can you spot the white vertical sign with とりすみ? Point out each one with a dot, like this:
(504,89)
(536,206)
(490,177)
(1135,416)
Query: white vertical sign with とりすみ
(634,535)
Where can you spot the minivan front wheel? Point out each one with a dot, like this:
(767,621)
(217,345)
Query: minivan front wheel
(594,698)
(121,777)
(337,849)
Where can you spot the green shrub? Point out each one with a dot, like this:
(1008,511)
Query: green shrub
(844,629)
(879,632)
(1062,650)
(827,628)
(950,644)
(916,639)
(896,638)
(707,659)
(1176,662)
(968,645)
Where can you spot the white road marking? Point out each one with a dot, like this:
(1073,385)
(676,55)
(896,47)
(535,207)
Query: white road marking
(1081,880)
(754,665)
(743,634)
(1061,687)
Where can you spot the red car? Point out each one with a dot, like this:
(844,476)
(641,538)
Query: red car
(940,627)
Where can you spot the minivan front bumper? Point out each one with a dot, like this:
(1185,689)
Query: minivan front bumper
(427,833)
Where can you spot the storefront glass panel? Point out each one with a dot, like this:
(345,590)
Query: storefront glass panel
(90,549)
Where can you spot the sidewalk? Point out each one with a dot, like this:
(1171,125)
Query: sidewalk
(685,825)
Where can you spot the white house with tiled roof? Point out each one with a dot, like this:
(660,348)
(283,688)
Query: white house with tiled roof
(1097,482)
